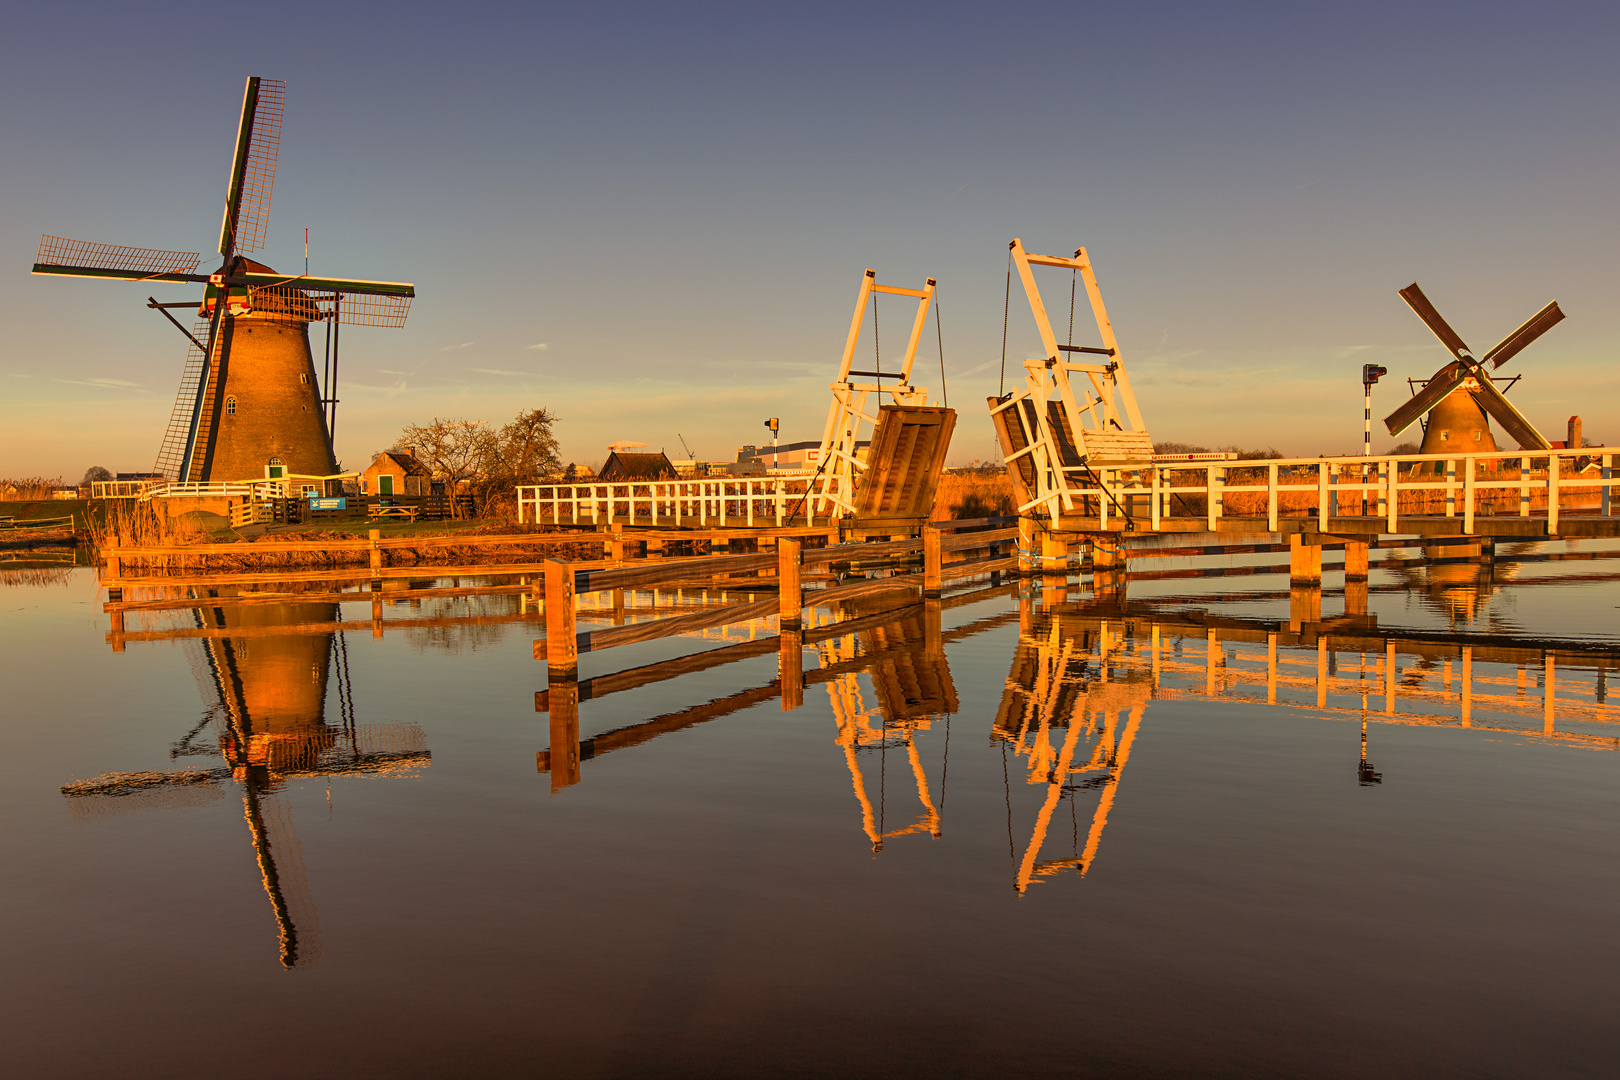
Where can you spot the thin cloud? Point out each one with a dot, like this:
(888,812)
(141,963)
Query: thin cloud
(16,375)
(463,345)
(538,346)
(1303,186)
(500,371)
(105,384)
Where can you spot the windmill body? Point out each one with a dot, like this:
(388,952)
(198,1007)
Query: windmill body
(1458,424)
(251,403)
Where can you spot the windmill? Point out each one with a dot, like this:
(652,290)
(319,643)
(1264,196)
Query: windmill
(249,405)
(1458,397)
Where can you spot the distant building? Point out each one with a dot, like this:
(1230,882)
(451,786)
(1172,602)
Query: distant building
(625,467)
(396,473)
(798,455)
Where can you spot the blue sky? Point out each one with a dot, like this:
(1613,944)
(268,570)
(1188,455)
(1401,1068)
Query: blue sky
(677,203)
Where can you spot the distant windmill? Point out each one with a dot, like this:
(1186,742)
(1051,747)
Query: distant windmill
(1459,395)
(248,404)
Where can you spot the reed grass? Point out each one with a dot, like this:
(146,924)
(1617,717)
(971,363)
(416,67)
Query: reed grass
(24,489)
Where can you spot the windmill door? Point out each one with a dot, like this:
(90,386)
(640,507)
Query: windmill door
(385,484)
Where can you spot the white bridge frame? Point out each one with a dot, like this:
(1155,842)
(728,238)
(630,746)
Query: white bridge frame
(840,466)
(1106,427)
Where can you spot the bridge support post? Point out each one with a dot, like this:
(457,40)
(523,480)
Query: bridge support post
(933,559)
(562,651)
(1355,596)
(789,593)
(790,668)
(1304,561)
(1304,606)
(563,757)
(1355,561)
(1026,544)
(1054,554)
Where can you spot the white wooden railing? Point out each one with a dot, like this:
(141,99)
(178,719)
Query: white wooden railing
(771,501)
(1541,485)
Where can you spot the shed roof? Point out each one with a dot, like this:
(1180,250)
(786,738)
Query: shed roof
(622,465)
(406,463)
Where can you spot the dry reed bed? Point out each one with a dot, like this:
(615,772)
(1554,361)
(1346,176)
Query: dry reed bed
(28,488)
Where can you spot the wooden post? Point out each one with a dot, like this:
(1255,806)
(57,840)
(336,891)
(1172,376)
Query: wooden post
(933,630)
(1355,596)
(1467,685)
(1355,561)
(1054,554)
(1304,561)
(1321,672)
(1271,668)
(562,651)
(1552,494)
(118,631)
(1549,696)
(790,668)
(115,567)
(563,698)
(789,594)
(933,558)
(376,550)
(616,545)
(1026,543)
(376,614)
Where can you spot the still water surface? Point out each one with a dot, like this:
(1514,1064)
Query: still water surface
(1029,832)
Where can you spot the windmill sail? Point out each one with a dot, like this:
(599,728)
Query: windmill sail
(171,458)
(253,167)
(1538,324)
(81,258)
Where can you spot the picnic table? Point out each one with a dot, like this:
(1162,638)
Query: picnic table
(385,510)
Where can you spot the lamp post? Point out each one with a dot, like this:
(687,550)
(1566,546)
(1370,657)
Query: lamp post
(773,423)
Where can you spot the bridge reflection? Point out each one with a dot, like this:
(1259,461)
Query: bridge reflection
(272,669)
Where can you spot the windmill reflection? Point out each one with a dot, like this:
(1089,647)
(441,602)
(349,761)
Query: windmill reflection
(266,672)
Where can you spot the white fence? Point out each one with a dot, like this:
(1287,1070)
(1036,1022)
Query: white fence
(771,501)
(1494,484)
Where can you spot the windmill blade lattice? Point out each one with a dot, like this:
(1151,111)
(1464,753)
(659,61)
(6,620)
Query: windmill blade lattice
(1538,324)
(1431,318)
(253,171)
(59,255)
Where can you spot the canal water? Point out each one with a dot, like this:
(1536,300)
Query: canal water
(1194,825)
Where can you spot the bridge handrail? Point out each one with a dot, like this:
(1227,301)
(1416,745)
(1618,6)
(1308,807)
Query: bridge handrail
(1373,484)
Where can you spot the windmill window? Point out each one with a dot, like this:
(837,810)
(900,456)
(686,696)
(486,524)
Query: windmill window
(230,406)
(304,380)
(275,470)
(1476,436)
(1445,436)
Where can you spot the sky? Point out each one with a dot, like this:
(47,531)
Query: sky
(653,219)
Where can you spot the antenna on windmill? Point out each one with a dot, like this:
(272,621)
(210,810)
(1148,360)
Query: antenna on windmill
(248,398)
(1457,398)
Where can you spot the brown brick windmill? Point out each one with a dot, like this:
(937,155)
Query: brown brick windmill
(249,404)
(1460,395)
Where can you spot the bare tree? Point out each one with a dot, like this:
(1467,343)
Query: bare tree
(455,450)
(526,449)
